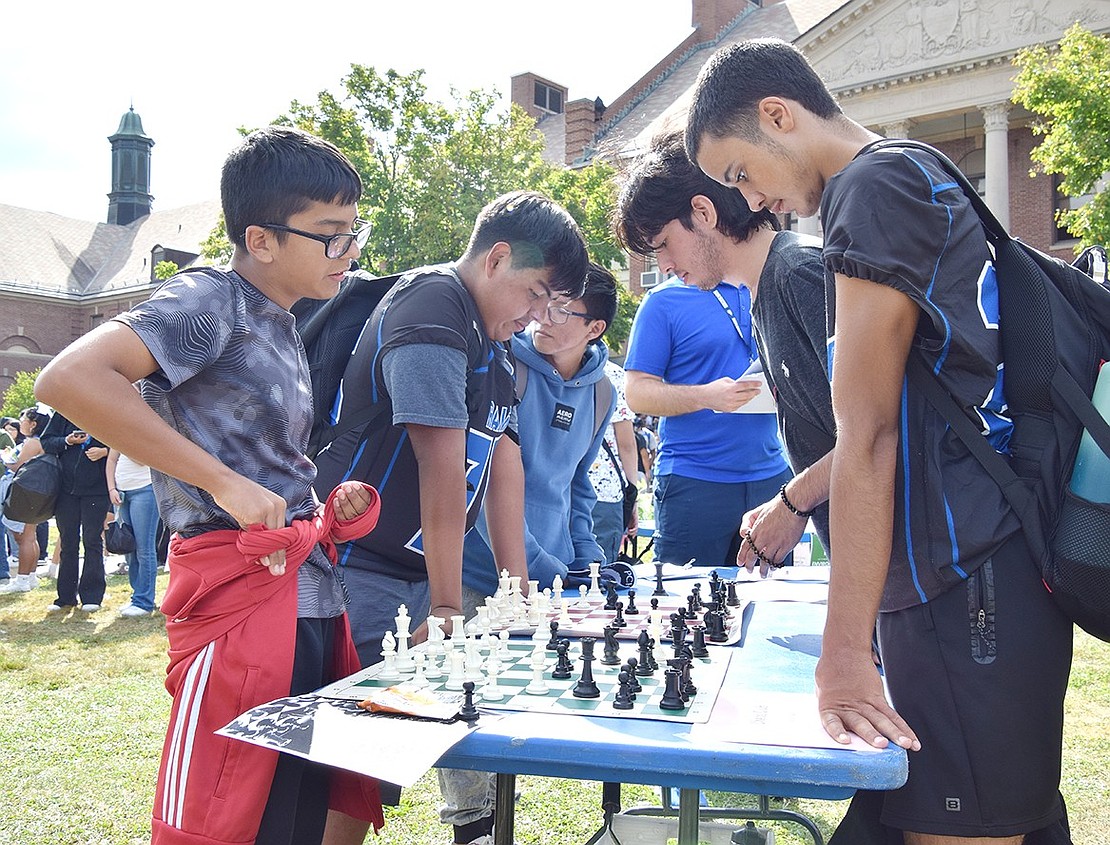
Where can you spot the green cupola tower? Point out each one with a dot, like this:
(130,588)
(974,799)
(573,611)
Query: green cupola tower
(130,198)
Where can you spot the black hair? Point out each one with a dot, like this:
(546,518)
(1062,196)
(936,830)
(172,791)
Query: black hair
(541,234)
(37,417)
(277,172)
(658,189)
(738,76)
(600,296)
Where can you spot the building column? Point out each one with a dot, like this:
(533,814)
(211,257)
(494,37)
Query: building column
(996,131)
(898,129)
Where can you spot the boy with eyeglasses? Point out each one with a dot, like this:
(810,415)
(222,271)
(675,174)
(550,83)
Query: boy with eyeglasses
(433,359)
(255,610)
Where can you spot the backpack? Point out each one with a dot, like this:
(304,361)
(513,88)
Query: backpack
(32,492)
(1054,329)
(329,330)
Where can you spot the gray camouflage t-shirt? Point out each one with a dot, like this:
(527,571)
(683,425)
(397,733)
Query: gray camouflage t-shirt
(233,379)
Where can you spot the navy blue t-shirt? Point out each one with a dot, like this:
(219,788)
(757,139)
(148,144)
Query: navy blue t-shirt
(894,217)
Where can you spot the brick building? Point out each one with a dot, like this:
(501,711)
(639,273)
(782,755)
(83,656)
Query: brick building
(60,277)
(936,70)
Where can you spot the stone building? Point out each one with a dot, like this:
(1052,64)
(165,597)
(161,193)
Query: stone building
(60,277)
(936,70)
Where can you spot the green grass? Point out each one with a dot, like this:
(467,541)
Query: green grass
(84,714)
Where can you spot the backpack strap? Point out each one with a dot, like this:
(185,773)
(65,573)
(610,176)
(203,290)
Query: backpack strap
(603,392)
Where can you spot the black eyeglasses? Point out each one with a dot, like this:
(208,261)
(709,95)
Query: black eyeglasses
(558,315)
(335,246)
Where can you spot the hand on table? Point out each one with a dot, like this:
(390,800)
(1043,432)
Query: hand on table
(768,534)
(850,698)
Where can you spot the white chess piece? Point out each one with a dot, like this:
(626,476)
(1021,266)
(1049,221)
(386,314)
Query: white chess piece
(503,583)
(492,692)
(389,672)
(458,629)
(583,602)
(435,635)
(564,613)
(404,659)
(538,684)
(457,672)
(557,587)
(432,669)
(418,680)
(503,650)
(595,580)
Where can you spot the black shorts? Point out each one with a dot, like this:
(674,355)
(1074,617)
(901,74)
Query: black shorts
(980,674)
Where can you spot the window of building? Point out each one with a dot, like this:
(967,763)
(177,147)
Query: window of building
(974,166)
(548,98)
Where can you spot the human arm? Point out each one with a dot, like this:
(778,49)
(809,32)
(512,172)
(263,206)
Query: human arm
(110,475)
(504,510)
(874,330)
(31,448)
(626,453)
(773,528)
(441,466)
(650,394)
(90,382)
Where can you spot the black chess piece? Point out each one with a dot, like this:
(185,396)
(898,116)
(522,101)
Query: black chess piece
(644,668)
(631,609)
(655,604)
(563,667)
(691,611)
(659,589)
(610,596)
(672,699)
(733,600)
(624,697)
(630,667)
(468,712)
(686,688)
(619,621)
(715,627)
(698,648)
(553,643)
(586,686)
(609,655)
(696,591)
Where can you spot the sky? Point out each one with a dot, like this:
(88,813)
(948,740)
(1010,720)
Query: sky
(197,71)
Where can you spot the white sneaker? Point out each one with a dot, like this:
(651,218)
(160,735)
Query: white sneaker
(33,580)
(131,611)
(90,608)
(56,608)
(19,584)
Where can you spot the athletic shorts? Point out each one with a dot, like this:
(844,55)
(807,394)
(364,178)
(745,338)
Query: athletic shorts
(980,674)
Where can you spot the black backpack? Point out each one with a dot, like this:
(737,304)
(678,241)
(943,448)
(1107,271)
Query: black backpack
(32,493)
(1055,332)
(329,330)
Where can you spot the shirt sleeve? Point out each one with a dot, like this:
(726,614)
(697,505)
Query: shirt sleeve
(427,385)
(649,346)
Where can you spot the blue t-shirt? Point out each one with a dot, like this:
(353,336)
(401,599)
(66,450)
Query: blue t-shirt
(685,336)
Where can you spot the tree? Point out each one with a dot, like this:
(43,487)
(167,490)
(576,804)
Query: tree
(617,334)
(164,270)
(20,394)
(1068,87)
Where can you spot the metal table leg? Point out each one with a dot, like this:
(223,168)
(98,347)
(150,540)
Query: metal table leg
(688,816)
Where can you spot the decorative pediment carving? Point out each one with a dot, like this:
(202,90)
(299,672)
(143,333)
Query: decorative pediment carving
(875,40)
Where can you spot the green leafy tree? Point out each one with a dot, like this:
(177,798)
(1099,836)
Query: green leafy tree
(1068,87)
(164,269)
(21,393)
(216,248)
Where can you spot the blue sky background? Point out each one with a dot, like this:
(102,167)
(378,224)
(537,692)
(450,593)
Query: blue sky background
(196,71)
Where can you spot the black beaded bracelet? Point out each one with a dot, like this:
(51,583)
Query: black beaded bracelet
(792,509)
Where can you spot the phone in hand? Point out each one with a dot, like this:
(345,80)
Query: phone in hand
(80,433)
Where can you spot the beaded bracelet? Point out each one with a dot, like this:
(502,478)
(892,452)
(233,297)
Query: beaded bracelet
(791,508)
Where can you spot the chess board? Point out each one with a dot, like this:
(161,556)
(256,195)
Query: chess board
(590,621)
(707,675)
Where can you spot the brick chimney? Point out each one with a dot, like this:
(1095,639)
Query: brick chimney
(710,16)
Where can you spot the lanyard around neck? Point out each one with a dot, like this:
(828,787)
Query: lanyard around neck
(747,314)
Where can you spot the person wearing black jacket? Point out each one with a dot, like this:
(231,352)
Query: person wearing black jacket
(83,505)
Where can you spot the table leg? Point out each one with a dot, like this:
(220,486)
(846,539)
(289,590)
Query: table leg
(504,809)
(688,813)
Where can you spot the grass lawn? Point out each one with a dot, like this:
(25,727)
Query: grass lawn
(85,713)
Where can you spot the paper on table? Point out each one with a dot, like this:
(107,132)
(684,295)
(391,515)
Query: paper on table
(340,734)
(771,718)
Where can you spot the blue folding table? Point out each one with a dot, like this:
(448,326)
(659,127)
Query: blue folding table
(778,653)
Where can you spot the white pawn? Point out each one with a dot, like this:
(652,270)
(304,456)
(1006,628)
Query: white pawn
(432,669)
(583,602)
(419,680)
(503,650)
(564,613)
(492,692)
(457,672)
(389,672)
(538,684)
